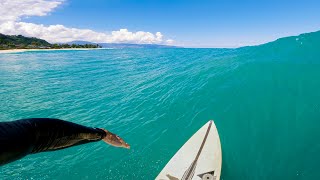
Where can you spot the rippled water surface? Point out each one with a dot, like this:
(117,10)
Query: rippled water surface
(265,102)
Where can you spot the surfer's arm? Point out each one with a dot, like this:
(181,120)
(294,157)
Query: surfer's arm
(23,137)
(54,134)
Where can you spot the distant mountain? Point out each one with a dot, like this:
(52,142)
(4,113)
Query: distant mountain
(80,42)
(123,45)
(127,45)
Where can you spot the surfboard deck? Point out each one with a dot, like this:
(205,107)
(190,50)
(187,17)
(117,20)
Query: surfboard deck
(199,158)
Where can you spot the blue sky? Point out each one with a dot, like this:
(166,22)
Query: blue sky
(197,23)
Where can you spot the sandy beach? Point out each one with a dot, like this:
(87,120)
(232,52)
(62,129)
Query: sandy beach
(25,50)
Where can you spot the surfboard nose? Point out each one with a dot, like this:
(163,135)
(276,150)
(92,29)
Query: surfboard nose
(200,155)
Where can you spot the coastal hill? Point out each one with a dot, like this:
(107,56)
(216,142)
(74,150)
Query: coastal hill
(19,41)
(22,42)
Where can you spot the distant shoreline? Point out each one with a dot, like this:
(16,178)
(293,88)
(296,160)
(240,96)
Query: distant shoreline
(63,49)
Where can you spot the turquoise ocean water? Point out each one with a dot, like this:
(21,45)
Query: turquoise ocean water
(265,101)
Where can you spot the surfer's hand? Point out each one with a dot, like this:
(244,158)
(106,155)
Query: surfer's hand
(115,140)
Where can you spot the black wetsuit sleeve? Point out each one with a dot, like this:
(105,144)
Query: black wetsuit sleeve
(22,137)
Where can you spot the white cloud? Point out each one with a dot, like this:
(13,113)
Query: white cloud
(11,12)
(60,33)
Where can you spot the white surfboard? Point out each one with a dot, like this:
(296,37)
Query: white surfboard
(198,159)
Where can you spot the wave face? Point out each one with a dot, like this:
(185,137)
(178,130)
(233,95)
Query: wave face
(265,101)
